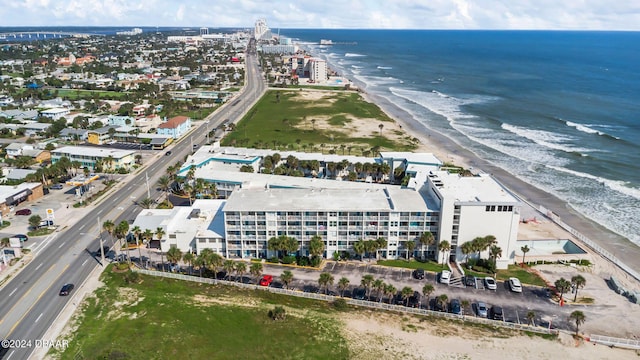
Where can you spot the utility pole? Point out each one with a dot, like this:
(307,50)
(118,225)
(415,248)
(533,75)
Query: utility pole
(101,246)
(146,174)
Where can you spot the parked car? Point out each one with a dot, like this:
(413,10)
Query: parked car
(266,280)
(359,293)
(414,300)
(418,274)
(23,212)
(445,276)
(56,187)
(45,223)
(66,289)
(168,153)
(490,283)
(455,307)
(481,309)
(470,281)
(515,285)
(496,313)
(22,237)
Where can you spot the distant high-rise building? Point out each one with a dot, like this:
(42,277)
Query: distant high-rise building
(262,31)
(204,31)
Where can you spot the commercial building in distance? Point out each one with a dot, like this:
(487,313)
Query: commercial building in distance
(88,156)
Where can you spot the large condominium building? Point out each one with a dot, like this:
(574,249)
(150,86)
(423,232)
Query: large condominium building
(259,207)
(261,30)
(340,217)
(89,156)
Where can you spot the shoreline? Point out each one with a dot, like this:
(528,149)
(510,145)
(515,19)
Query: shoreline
(441,145)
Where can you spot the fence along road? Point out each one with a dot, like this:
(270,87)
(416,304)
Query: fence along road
(361,303)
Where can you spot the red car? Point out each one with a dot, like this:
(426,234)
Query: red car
(266,280)
(23,212)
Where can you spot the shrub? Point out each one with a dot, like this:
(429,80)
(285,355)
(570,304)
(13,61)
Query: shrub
(289,259)
(273,260)
(340,304)
(315,261)
(336,256)
(131,277)
(302,261)
(278,313)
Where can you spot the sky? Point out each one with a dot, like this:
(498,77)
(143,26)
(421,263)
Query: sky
(357,14)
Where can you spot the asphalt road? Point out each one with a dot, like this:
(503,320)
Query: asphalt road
(29,302)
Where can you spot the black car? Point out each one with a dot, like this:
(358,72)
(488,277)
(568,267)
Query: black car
(168,153)
(496,313)
(56,187)
(414,300)
(455,307)
(418,274)
(22,237)
(66,289)
(359,293)
(470,281)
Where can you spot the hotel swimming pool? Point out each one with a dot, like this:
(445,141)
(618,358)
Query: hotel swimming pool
(550,247)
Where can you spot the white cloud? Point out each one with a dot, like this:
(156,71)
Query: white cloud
(418,14)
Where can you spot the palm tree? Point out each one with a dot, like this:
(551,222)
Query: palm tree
(495,252)
(174,255)
(531,317)
(466,249)
(147,235)
(426,240)
(444,246)
(188,257)
(286,278)
(427,290)
(359,248)
(121,232)
(109,226)
(370,246)
(390,290)
(406,294)
(465,305)
(381,243)
(442,299)
(366,282)
(316,246)
(378,285)
(325,280)
(241,268)
(380,127)
(579,317)
(411,245)
(578,282)
(146,203)
(562,285)
(159,234)
(137,232)
(256,270)
(199,262)
(228,266)
(525,249)
(164,183)
(214,262)
(343,284)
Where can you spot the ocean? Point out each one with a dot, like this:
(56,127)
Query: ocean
(560,110)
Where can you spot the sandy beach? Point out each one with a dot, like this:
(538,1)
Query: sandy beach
(449,151)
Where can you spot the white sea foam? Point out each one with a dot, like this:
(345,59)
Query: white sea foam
(384,67)
(619,186)
(546,138)
(353,55)
(587,129)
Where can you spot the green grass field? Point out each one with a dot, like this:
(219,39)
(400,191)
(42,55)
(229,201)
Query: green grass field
(167,319)
(283,120)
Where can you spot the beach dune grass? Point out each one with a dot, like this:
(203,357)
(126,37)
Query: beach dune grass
(161,318)
(289,120)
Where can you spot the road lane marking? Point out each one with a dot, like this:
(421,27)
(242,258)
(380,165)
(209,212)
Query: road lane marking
(39,266)
(11,354)
(82,227)
(14,290)
(39,316)
(61,245)
(20,301)
(37,299)
(84,262)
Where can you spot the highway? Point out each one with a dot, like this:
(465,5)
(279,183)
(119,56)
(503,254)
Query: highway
(29,302)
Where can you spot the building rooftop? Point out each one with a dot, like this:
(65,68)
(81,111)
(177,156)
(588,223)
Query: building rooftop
(481,188)
(173,122)
(391,199)
(89,151)
(412,158)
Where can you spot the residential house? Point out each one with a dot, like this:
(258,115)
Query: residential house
(35,128)
(71,134)
(102,135)
(55,113)
(175,127)
(39,155)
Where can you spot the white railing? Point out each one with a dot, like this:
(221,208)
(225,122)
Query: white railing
(617,342)
(362,303)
